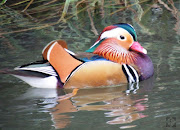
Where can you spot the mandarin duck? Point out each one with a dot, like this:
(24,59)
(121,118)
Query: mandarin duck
(115,58)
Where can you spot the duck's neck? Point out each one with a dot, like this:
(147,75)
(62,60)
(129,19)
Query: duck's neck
(145,66)
(116,54)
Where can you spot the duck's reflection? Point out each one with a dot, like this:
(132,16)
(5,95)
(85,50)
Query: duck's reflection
(59,116)
(119,102)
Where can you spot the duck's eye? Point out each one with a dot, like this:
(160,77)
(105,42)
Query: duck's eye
(122,37)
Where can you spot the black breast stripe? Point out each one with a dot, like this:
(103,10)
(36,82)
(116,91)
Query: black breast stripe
(131,73)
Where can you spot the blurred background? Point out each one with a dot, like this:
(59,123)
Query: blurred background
(26,26)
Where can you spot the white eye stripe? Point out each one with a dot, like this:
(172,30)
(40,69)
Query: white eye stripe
(114,33)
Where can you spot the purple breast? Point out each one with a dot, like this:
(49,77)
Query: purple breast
(145,66)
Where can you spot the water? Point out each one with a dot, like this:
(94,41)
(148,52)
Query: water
(151,104)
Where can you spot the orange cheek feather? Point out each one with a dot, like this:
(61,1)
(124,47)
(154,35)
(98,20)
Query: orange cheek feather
(126,44)
(111,49)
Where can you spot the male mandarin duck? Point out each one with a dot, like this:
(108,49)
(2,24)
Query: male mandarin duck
(115,58)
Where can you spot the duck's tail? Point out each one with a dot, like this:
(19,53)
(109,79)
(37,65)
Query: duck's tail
(63,62)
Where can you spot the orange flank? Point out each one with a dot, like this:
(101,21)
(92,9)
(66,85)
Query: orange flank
(96,73)
(62,61)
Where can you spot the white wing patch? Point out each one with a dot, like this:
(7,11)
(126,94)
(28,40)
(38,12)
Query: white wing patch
(45,69)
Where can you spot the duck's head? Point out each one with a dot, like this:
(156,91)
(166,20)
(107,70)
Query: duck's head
(118,43)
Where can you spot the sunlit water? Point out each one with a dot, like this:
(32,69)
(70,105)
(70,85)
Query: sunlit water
(151,104)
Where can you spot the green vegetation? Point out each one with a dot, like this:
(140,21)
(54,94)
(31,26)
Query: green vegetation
(3,2)
(45,13)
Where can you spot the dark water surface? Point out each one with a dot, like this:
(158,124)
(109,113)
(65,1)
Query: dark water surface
(151,104)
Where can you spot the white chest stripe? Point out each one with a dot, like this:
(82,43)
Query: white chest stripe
(131,73)
(130,77)
(135,72)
